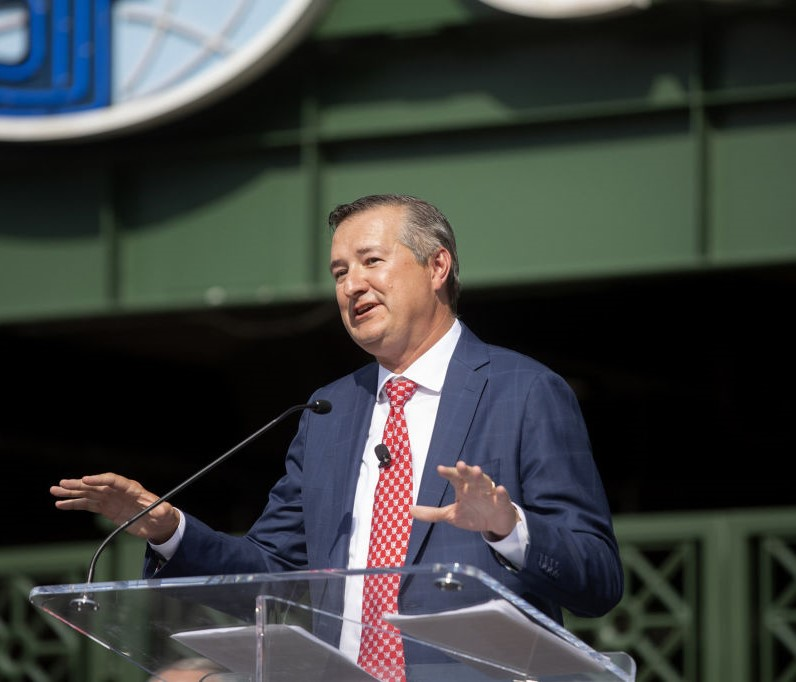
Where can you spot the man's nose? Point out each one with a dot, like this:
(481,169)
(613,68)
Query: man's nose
(355,283)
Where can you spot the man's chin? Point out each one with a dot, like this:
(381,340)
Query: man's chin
(370,343)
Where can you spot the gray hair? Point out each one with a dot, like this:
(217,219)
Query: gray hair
(425,230)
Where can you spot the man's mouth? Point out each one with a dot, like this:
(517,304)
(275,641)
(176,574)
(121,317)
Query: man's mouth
(363,309)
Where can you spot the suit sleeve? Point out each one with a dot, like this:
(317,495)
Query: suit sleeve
(573,556)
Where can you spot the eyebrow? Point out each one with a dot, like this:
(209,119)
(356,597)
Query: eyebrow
(363,250)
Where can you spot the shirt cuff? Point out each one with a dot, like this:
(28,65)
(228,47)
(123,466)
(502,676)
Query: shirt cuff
(169,548)
(514,545)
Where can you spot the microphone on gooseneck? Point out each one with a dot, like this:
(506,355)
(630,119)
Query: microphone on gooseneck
(85,601)
(383,453)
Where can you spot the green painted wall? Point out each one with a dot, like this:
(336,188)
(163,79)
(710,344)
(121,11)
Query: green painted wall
(657,141)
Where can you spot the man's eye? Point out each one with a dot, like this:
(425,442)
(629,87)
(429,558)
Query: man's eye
(337,274)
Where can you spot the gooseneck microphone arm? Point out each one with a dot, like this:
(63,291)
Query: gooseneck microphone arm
(317,406)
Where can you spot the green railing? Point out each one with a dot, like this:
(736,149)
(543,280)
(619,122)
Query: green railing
(37,648)
(710,597)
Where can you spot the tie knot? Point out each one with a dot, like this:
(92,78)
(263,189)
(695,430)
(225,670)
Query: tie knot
(399,391)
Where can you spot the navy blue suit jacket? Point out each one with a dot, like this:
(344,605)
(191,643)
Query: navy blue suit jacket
(501,410)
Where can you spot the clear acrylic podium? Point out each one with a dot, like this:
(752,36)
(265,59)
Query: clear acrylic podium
(457,623)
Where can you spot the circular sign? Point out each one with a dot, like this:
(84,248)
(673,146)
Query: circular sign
(91,68)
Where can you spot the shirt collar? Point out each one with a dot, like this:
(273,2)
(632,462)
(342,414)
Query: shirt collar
(429,370)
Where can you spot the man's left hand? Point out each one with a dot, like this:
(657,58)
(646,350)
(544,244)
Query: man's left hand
(480,505)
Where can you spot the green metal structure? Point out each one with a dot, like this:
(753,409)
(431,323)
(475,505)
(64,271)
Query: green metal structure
(658,141)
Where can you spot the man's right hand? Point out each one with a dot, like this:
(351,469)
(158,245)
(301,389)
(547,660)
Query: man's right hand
(117,499)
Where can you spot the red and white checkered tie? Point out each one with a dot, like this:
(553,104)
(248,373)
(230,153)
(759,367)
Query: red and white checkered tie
(381,650)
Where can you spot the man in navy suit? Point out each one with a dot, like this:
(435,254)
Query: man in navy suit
(504,478)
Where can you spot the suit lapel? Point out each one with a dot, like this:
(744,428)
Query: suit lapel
(352,435)
(461,394)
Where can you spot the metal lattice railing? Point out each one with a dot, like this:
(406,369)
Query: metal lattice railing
(34,648)
(777,560)
(37,648)
(656,621)
(710,597)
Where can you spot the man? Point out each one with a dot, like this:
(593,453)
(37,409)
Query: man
(502,475)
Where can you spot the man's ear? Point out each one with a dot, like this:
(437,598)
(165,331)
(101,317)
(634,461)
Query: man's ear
(440,269)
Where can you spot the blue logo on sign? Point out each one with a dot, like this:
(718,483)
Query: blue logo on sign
(61,62)
(85,68)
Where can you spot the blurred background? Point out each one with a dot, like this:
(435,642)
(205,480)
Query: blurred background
(621,177)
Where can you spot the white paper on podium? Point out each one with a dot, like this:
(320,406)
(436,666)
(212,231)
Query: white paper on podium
(293,653)
(497,633)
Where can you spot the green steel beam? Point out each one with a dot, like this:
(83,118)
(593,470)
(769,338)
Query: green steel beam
(561,150)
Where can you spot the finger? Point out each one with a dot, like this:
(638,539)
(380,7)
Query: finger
(467,472)
(490,489)
(108,479)
(502,496)
(448,473)
(59,491)
(81,503)
(476,480)
(68,484)
(429,514)
(468,480)
(460,473)
(76,490)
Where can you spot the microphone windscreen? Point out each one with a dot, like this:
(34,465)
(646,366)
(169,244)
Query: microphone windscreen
(383,453)
(321,407)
